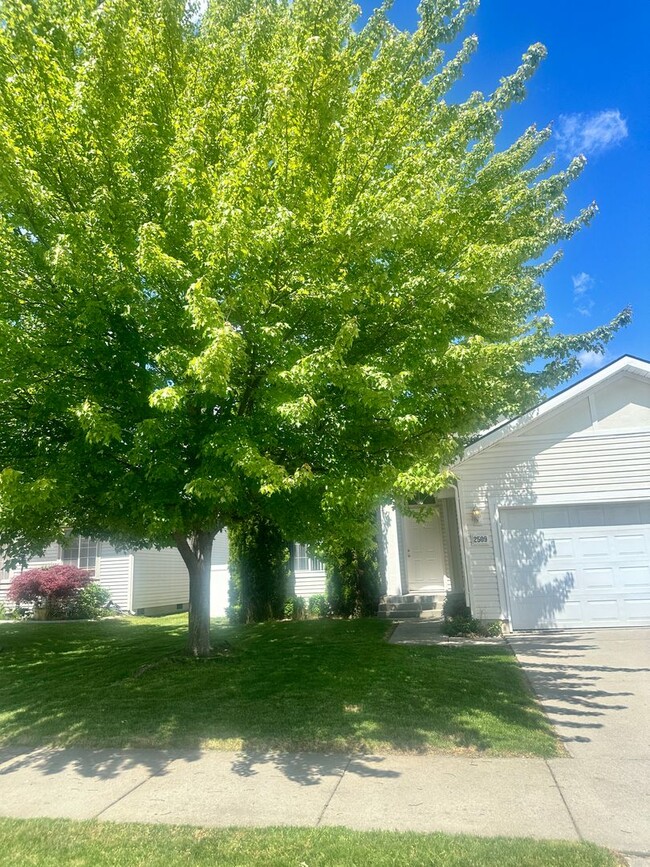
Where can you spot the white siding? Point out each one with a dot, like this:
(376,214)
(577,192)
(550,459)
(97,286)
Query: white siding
(159,579)
(309,583)
(219,576)
(114,571)
(595,465)
(5,581)
(391,551)
(49,556)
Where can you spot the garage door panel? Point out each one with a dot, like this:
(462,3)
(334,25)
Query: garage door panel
(560,546)
(571,614)
(592,570)
(637,610)
(557,578)
(597,579)
(635,576)
(593,547)
(630,544)
(601,610)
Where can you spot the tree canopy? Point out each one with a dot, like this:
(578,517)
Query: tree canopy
(255,257)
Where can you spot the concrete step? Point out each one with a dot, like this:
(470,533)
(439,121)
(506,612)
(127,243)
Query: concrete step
(427,601)
(400,606)
(432,614)
(398,615)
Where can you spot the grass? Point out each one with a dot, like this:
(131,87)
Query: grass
(59,842)
(311,685)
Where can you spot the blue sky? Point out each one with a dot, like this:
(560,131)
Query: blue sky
(594,89)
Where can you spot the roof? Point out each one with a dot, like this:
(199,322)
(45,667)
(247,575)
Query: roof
(624,364)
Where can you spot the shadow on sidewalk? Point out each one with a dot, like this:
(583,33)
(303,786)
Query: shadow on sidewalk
(99,764)
(309,769)
(306,769)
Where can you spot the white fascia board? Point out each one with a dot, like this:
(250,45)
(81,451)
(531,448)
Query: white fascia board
(627,363)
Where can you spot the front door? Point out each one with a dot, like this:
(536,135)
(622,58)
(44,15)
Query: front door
(425,560)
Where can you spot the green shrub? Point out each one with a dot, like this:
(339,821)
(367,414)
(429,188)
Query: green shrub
(19,612)
(465,624)
(234,611)
(455,606)
(353,582)
(259,570)
(318,606)
(89,603)
(295,608)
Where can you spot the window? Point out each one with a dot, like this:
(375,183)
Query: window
(79,551)
(305,561)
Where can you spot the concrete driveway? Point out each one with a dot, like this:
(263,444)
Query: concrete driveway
(595,687)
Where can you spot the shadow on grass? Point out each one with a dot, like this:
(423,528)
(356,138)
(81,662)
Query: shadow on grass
(283,692)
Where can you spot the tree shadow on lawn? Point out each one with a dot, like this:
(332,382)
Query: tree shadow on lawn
(283,692)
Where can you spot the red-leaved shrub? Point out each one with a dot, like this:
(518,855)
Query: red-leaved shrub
(48,584)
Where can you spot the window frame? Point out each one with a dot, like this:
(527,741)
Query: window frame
(304,560)
(86,552)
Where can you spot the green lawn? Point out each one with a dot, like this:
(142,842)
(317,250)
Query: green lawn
(318,685)
(60,843)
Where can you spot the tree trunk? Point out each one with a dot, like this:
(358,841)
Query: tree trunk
(196,551)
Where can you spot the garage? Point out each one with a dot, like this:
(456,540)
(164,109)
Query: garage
(554,508)
(577,565)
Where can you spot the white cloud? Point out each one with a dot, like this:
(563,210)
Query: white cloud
(582,283)
(591,360)
(585,307)
(590,134)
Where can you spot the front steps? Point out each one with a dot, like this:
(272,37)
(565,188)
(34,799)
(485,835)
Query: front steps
(412,605)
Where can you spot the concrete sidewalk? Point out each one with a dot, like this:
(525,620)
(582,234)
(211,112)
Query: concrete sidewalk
(485,796)
(516,797)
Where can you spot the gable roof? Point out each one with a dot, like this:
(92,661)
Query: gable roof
(624,364)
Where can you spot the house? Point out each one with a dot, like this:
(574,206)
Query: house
(546,527)
(143,581)
(548,523)
(554,508)
(150,582)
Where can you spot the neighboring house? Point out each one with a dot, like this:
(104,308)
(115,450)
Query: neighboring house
(151,582)
(144,582)
(547,526)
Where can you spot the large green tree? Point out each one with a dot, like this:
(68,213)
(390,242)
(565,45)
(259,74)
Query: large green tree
(252,260)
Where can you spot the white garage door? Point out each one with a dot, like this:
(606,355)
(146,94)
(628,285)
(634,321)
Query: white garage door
(578,566)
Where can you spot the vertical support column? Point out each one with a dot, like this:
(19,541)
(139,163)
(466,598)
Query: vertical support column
(389,520)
